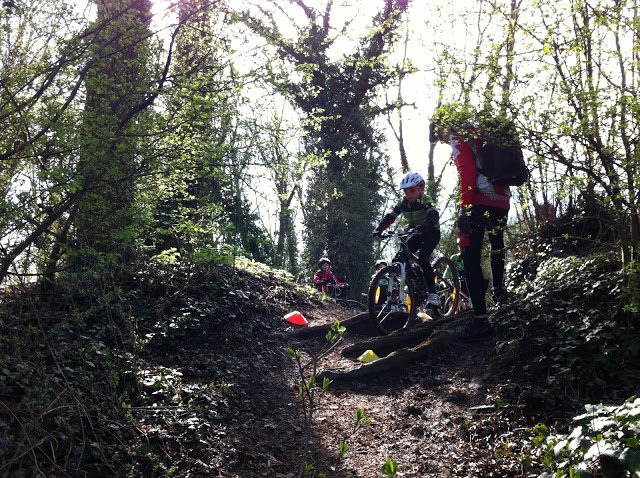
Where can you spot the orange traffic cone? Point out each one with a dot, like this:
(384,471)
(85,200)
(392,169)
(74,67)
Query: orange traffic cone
(296,318)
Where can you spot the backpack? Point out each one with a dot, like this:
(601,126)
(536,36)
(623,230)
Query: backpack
(501,159)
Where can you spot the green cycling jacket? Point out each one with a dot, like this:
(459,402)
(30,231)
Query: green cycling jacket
(420,213)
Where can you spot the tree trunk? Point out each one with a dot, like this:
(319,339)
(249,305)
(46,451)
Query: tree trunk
(116,86)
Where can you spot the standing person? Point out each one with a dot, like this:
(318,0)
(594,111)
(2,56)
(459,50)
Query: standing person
(416,207)
(325,276)
(483,206)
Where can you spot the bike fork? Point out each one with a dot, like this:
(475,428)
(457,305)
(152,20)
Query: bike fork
(401,281)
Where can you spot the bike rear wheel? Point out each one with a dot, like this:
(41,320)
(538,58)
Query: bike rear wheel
(386,310)
(448,288)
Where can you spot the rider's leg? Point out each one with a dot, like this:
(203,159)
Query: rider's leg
(425,244)
(495,230)
(472,258)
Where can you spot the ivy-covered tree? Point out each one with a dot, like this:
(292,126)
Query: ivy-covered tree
(112,131)
(336,97)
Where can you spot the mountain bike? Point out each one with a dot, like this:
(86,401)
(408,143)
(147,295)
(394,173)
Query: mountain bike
(400,287)
(340,293)
(464,304)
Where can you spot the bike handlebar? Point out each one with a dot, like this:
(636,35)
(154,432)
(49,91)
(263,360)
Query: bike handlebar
(389,235)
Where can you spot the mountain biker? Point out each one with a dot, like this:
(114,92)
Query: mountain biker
(417,209)
(483,206)
(325,276)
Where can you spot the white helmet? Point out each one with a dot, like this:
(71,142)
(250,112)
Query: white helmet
(410,180)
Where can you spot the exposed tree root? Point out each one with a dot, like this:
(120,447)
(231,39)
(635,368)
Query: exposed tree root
(400,348)
(357,323)
(403,338)
(397,350)
(438,341)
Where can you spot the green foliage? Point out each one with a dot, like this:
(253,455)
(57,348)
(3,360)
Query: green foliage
(604,440)
(455,117)
(75,371)
(263,270)
(464,120)
(569,320)
(336,332)
(117,81)
(67,394)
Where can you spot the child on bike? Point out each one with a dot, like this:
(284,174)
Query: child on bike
(417,209)
(325,276)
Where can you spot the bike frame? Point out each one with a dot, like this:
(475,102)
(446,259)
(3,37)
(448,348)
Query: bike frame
(403,258)
(402,279)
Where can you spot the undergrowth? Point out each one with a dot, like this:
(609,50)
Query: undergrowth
(567,330)
(75,387)
(72,382)
(571,339)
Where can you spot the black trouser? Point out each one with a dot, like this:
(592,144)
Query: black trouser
(426,243)
(494,221)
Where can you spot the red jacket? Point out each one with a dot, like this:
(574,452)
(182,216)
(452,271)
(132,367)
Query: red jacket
(475,188)
(322,278)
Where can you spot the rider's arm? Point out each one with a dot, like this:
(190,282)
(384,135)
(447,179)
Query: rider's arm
(317,279)
(432,220)
(333,278)
(388,219)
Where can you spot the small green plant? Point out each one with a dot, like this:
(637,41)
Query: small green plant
(390,468)
(308,390)
(360,421)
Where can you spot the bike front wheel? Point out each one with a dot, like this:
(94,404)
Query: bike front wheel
(448,288)
(390,309)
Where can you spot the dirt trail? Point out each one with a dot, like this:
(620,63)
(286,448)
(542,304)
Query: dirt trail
(437,418)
